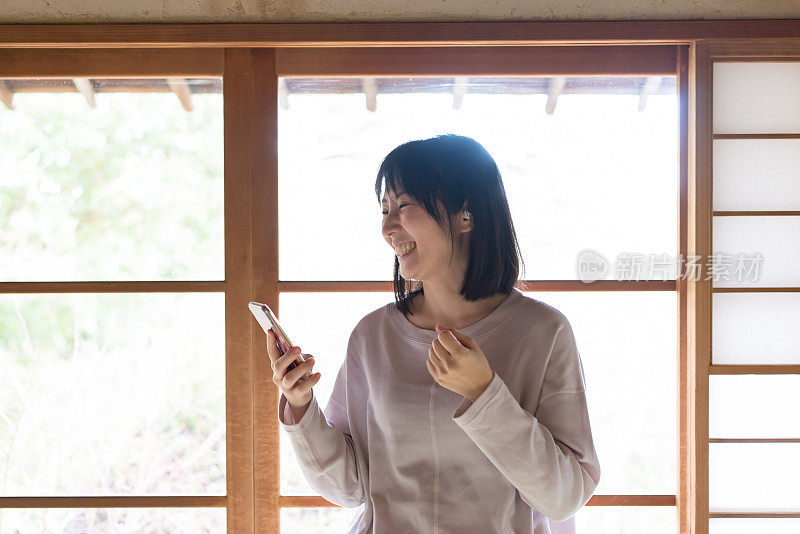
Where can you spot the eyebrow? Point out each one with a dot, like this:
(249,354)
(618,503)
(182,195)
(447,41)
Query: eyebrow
(400,194)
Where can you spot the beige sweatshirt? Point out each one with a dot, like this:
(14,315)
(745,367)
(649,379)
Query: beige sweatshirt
(415,457)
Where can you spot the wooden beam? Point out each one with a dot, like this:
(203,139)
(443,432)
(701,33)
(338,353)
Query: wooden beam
(111,63)
(144,35)
(181,89)
(479,61)
(649,87)
(6,95)
(84,86)
(554,87)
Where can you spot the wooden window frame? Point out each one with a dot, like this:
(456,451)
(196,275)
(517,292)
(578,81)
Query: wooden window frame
(250,57)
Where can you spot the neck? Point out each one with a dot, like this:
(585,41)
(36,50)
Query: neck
(443,304)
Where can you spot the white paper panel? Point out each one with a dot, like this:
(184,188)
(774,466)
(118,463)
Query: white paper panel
(754,476)
(777,238)
(754,526)
(752,97)
(752,328)
(754,406)
(756,174)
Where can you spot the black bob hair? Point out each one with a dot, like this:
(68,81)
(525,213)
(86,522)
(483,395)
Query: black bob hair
(461,174)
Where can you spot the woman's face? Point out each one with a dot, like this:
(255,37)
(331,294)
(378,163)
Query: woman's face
(406,221)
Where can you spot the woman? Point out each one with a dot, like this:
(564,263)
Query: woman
(461,406)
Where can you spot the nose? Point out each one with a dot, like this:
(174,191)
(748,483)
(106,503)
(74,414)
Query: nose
(389,225)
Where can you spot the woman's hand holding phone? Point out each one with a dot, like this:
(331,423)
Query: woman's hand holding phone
(298,395)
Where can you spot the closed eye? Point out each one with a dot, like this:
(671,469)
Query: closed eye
(386,212)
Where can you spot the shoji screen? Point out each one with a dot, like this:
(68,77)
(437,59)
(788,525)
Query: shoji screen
(754,387)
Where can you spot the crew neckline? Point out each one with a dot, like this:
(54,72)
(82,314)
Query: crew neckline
(477,329)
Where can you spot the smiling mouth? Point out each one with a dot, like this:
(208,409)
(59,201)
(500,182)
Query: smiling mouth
(406,250)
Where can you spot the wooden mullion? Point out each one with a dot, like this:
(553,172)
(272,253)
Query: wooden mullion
(315,501)
(758,136)
(239,329)
(171,286)
(756,213)
(760,514)
(699,244)
(264,230)
(523,285)
(117,501)
(684,402)
(755,369)
(754,440)
(788,289)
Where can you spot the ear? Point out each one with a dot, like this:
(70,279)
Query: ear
(468,224)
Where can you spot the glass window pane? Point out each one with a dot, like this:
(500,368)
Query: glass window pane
(624,338)
(309,323)
(331,146)
(117,520)
(625,520)
(325,520)
(756,97)
(775,238)
(127,188)
(756,174)
(771,336)
(112,394)
(754,476)
(754,526)
(754,406)
(588,520)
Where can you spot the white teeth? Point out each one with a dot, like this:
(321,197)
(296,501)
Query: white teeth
(405,249)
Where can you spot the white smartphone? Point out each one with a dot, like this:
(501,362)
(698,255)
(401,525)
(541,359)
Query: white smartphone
(267,320)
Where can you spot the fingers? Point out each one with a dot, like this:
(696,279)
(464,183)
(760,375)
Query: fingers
(274,351)
(290,379)
(294,375)
(448,341)
(272,347)
(440,354)
(436,361)
(283,362)
(303,387)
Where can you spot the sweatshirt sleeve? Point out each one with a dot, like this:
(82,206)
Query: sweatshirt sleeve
(324,447)
(548,456)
